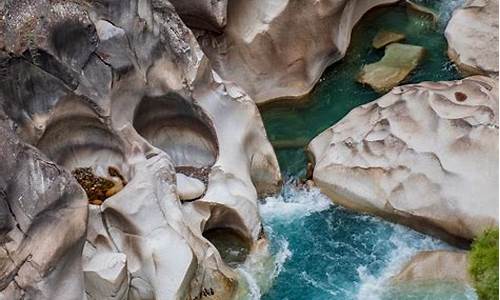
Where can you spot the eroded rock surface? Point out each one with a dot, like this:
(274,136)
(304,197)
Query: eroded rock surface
(424,155)
(472,35)
(276,49)
(121,88)
(439,265)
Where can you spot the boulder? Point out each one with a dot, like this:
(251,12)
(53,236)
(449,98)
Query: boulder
(438,265)
(398,62)
(278,49)
(424,155)
(472,35)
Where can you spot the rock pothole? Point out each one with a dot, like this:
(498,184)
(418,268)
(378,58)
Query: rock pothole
(93,153)
(226,231)
(179,128)
(233,247)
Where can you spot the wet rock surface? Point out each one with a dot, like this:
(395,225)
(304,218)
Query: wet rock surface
(424,155)
(120,94)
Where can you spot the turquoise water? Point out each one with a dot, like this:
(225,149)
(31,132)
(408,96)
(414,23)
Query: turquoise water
(323,251)
(320,250)
(337,92)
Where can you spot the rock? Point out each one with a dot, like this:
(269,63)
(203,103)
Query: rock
(439,265)
(202,14)
(42,224)
(189,188)
(106,276)
(424,155)
(124,89)
(280,49)
(472,35)
(398,62)
(384,38)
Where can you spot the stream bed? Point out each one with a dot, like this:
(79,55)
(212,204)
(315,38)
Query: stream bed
(320,250)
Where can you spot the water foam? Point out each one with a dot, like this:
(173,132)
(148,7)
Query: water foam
(407,243)
(264,265)
(378,247)
(294,202)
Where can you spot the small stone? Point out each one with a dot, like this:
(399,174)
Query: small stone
(399,60)
(384,38)
(189,188)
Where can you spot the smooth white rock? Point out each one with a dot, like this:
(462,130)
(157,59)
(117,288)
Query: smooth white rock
(189,188)
(425,155)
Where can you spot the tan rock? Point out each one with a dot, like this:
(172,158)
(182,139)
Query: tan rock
(398,62)
(384,38)
(435,265)
(425,155)
(472,35)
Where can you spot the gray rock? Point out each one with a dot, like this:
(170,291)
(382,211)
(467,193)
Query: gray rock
(124,90)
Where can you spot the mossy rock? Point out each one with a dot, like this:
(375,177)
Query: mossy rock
(398,62)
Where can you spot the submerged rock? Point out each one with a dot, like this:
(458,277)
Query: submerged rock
(472,35)
(439,265)
(424,155)
(277,49)
(384,38)
(121,91)
(398,62)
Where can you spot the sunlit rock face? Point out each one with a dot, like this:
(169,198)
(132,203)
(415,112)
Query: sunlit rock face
(472,35)
(120,94)
(276,49)
(424,155)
